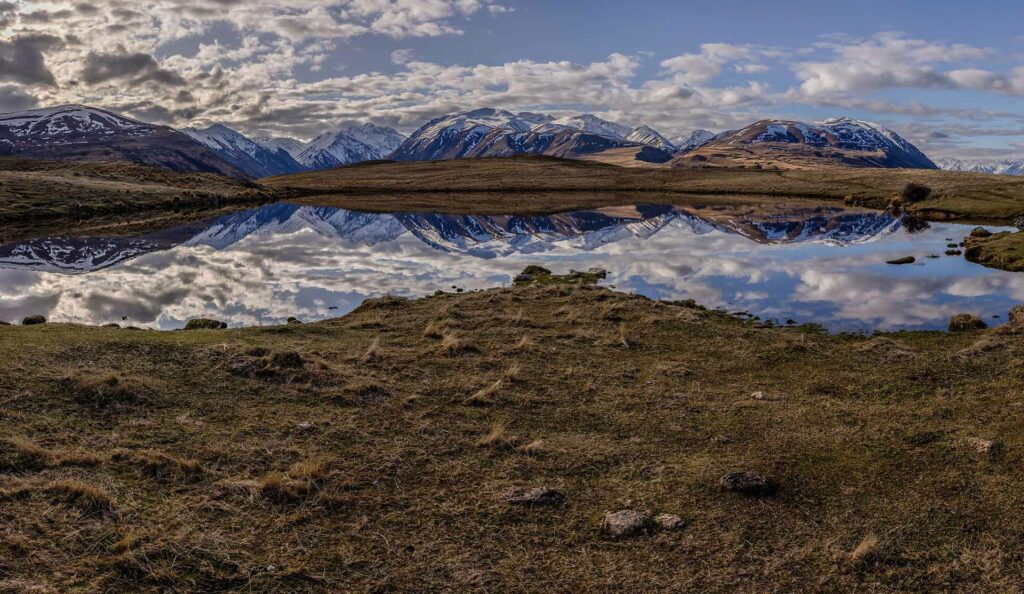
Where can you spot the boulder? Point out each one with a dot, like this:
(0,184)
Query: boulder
(624,523)
(748,482)
(993,450)
(204,324)
(903,260)
(965,323)
(980,232)
(33,321)
(536,496)
(534,270)
(3,323)
(293,320)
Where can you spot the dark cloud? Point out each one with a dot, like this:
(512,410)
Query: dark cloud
(22,59)
(135,67)
(14,98)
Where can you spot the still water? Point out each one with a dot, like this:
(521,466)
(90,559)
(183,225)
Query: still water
(260,266)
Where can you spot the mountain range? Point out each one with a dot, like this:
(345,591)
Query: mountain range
(79,132)
(1008,167)
(482,236)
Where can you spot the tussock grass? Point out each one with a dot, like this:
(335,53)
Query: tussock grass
(373,352)
(452,345)
(162,465)
(105,392)
(436,328)
(87,497)
(18,453)
(485,396)
(498,438)
(525,344)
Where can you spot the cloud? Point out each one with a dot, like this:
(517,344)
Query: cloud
(134,67)
(885,61)
(22,59)
(14,98)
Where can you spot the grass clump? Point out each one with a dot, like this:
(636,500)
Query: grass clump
(485,396)
(87,497)
(452,345)
(106,392)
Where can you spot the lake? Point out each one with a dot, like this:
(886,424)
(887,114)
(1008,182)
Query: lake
(803,263)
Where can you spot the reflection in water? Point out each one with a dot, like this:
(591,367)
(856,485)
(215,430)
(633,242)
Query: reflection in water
(261,266)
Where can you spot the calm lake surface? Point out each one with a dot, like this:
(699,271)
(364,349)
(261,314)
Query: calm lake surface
(260,266)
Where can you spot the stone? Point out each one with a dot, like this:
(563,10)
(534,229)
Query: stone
(33,321)
(980,232)
(624,523)
(598,272)
(536,496)
(669,522)
(966,323)
(3,323)
(205,324)
(993,450)
(759,396)
(293,321)
(534,270)
(903,260)
(748,482)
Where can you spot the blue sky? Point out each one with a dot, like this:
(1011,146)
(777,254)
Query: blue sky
(948,75)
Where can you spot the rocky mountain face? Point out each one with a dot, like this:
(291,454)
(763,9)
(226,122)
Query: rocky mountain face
(255,159)
(86,133)
(784,144)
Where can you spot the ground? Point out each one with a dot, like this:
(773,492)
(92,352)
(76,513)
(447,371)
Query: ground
(372,452)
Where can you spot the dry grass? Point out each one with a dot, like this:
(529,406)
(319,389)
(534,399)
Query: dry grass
(485,396)
(373,352)
(436,328)
(451,345)
(524,344)
(347,477)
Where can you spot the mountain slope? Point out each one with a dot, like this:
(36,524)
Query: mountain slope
(289,145)
(789,144)
(650,137)
(351,144)
(247,155)
(84,133)
(693,140)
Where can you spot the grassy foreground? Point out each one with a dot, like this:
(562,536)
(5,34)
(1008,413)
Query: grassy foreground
(372,452)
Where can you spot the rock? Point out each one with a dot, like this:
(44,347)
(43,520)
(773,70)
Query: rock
(523,278)
(966,323)
(537,496)
(980,232)
(287,360)
(747,482)
(598,272)
(536,270)
(205,324)
(33,321)
(3,323)
(306,426)
(759,396)
(993,450)
(112,325)
(953,252)
(624,523)
(669,522)
(903,260)
(294,320)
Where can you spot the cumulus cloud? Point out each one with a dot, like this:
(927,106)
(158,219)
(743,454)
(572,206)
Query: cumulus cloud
(134,67)
(22,59)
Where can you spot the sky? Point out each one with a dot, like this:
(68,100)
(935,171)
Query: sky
(948,75)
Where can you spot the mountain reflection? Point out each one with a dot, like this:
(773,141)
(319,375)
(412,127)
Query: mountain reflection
(483,236)
(263,265)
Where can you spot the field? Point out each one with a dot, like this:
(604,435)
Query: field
(374,452)
(544,184)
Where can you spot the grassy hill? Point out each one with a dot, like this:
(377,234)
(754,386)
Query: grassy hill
(376,452)
(543,184)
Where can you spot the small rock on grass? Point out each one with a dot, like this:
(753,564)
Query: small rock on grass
(536,496)
(750,483)
(33,321)
(205,324)
(988,448)
(624,523)
(669,522)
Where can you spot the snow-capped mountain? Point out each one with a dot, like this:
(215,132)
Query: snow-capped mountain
(350,144)
(692,140)
(86,133)
(837,141)
(497,133)
(650,137)
(1008,167)
(253,158)
(281,143)
(588,123)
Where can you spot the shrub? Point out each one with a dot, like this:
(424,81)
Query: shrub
(914,192)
